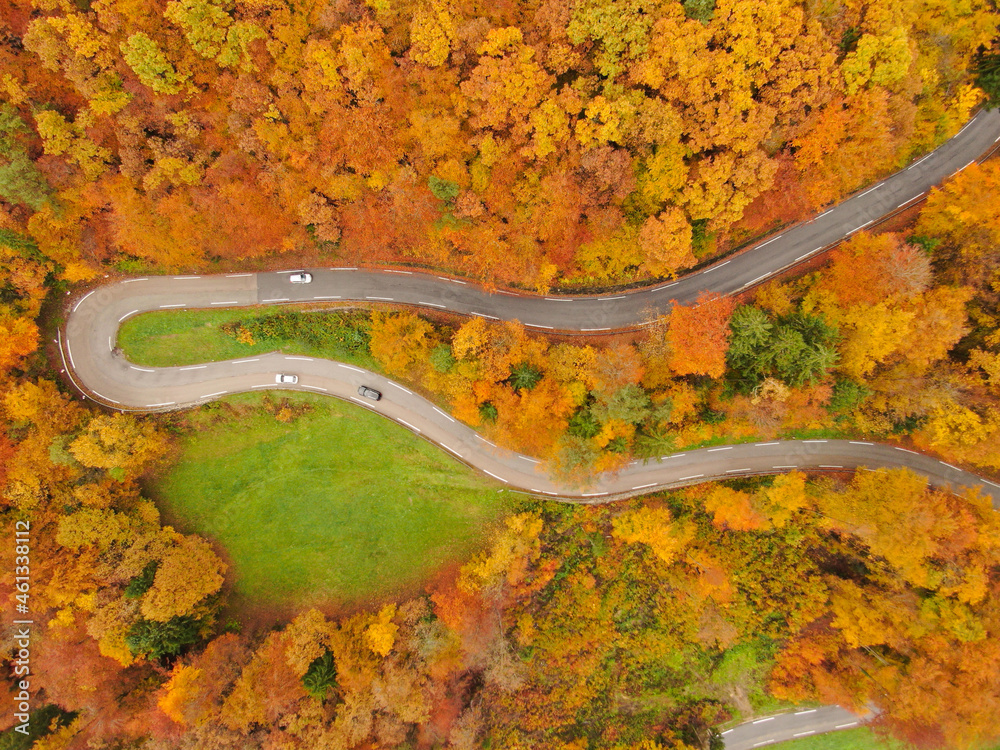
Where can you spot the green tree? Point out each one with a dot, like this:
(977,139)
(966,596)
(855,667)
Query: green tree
(629,404)
(154,640)
(320,677)
(146,58)
(20,180)
(699,10)
(987,72)
(524,376)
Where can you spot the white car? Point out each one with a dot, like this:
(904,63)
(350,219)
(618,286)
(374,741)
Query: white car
(300,278)
(283,378)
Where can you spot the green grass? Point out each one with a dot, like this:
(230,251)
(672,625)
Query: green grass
(337,505)
(861,738)
(187,337)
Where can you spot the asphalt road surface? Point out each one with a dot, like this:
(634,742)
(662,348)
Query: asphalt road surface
(90,352)
(770,730)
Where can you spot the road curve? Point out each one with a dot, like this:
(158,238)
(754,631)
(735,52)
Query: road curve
(89,349)
(794,725)
(615,311)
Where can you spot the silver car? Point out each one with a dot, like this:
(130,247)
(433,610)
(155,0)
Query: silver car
(284,378)
(300,278)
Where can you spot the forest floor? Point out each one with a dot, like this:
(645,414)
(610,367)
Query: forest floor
(332,507)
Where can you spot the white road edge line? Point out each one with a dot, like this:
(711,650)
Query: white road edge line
(195,367)
(127,315)
(218,393)
(230,302)
(431,304)
(761,721)
(403,421)
(397,385)
(141,369)
(844,726)
(803,713)
(451,450)
(496,477)
(859,442)
(644,486)
(348,367)
(754,281)
(693,476)
(315,388)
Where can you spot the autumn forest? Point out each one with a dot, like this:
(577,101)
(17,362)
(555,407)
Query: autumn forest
(546,146)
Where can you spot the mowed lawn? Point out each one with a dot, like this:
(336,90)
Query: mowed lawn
(188,337)
(337,505)
(861,738)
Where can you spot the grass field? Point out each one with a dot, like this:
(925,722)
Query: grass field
(861,738)
(337,505)
(188,337)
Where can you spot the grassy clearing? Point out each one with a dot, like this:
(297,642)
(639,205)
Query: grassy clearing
(338,504)
(861,738)
(187,337)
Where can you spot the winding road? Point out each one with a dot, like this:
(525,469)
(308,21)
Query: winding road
(88,345)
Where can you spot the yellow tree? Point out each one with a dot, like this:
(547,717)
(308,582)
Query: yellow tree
(119,442)
(187,574)
(665,240)
(654,526)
